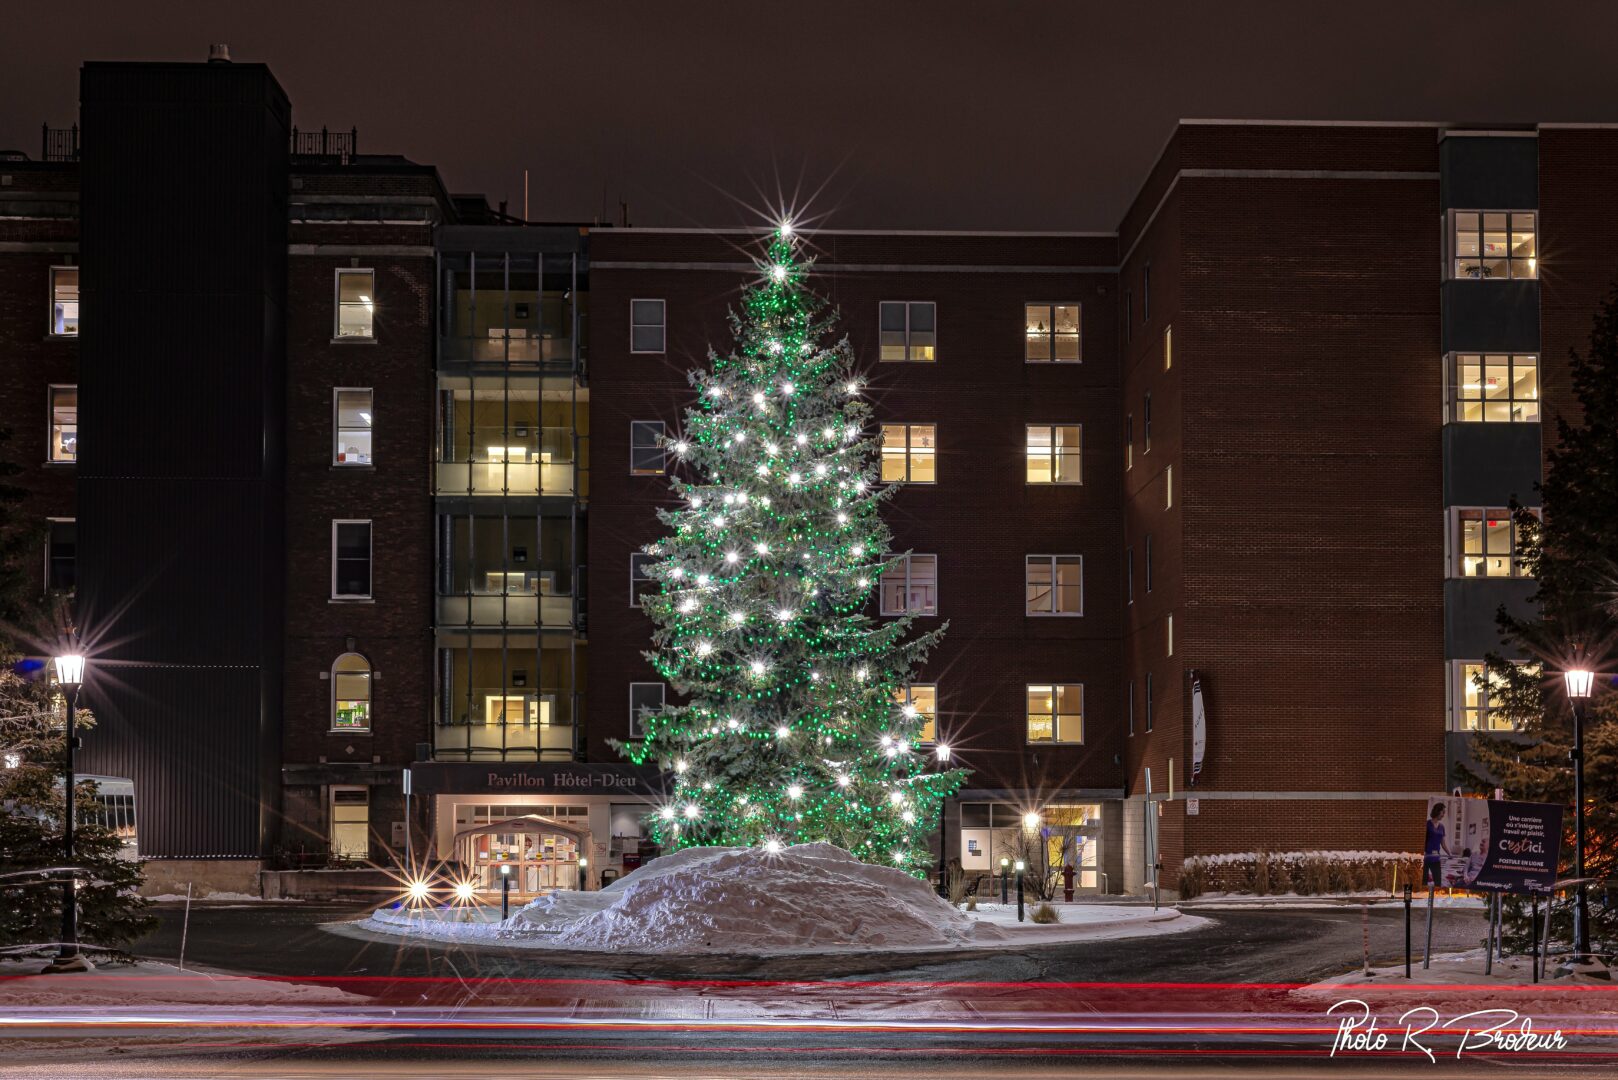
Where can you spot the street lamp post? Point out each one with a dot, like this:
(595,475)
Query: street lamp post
(1005,867)
(69,676)
(1021,866)
(584,874)
(1579,682)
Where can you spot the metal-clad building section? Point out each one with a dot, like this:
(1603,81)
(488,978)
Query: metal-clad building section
(182,370)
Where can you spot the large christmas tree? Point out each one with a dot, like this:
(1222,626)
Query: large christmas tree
(1570,551)
(794,726)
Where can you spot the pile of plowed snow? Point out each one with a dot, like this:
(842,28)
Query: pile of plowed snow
(727,899)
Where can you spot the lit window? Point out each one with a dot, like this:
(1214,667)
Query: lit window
(646,326)
(924,696)
(350,823)
(356,304)
(61,555)
(909,330)
(1168,347)
(64,433)
(1129,442)
(1477,698)
(1052,333)
(1146,431)
(1168,633)
(351,426)
(909,453)
(910,586)
(351,693)
(644,697)
(641,582)
(1494,245)
(647,455)
(1496,388)
(1056,712)
(1053,453)
(351,560)
(1053,585)
(1488,543)
(64,301)
(1168,488)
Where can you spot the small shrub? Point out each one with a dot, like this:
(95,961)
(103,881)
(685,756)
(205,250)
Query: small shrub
(955,885)
(1193,878)
(972,902)
(1044,913)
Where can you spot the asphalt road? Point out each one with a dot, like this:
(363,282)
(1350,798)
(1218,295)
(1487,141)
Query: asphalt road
(1240,946)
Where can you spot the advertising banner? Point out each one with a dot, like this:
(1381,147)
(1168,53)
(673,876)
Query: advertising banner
(1492,845)
(1199,727)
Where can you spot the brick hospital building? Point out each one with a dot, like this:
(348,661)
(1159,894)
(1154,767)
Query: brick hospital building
(353,534)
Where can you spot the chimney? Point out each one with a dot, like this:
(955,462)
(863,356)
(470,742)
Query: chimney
(218,54)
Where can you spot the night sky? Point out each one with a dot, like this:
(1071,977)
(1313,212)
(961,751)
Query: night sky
(876,113)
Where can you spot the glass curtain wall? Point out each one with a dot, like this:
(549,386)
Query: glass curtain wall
(510,485)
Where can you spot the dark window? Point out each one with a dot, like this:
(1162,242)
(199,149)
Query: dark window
(1146,293)
(1129,574)
(1131,707)
(351,559)
(909,330)
(641,582)
(1148,701)
(647,457)
(646,326)
(643,697)
(1129,316)
(1146,431)
(1129,442)
(1148,554)
(60,554)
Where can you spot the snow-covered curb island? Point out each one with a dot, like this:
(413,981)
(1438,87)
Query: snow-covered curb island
(810,898)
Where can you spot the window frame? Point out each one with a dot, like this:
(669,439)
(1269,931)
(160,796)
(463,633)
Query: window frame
(370,559)
(634,713)
(1168,487)
(331,821)
(1129,709)
(1452,270)
(1055,454)
(1051,562)
(1168,348)
(337,335)
(1168,634)
(337,427)
(661,447)
(1051,335)
(1146,423)
(1057,703)
(1511,401)
(1129,574)
(1458,708)
(1457,544)
(50,424)
(1146,293)
(639,559)
(909,357)
(1148,701)
(909,452)
(1129,441)
(1147,557)
(370,697)
(906,695)
(662,326)
(49,578)
(50,307)
(906,558)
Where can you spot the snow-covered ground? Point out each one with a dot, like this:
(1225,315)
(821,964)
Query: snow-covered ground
(150,984)
(810,898)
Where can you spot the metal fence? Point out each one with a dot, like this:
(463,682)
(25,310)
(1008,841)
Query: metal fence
(62,144)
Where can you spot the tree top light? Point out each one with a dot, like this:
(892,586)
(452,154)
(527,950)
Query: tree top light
(70,670)
(1579,682)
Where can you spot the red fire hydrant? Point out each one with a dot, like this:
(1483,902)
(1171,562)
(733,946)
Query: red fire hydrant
(1067,882)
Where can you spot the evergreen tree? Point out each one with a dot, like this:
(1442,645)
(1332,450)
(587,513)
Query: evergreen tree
(793,729)
(1570,553)
(33,765)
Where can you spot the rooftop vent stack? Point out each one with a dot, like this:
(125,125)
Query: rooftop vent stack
(218,54)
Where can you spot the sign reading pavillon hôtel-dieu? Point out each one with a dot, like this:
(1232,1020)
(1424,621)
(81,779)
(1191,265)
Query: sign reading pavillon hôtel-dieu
(534,778)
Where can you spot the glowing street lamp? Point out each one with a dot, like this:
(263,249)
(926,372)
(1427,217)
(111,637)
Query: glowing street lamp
(70,677)
(1578,683)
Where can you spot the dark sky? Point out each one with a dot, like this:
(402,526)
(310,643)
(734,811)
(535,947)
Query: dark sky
(892,113)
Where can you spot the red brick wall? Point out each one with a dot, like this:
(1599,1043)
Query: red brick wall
(980,519)
(394,630)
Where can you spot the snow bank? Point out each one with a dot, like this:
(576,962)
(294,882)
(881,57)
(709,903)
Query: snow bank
(150,983)
(731,900)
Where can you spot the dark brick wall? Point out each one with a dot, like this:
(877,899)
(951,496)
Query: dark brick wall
(395,493)
(38,230)
(981,517)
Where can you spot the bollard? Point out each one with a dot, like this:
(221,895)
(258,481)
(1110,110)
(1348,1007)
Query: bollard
(1533,957)
(1407,929)
(1005,865)
(1020,868)
(505,891)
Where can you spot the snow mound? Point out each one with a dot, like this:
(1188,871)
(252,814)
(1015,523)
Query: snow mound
(734,899)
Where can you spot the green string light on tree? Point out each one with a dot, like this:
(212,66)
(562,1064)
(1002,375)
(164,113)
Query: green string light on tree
(794,727)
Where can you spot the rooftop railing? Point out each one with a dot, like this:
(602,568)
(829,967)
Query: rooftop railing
(62,144)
